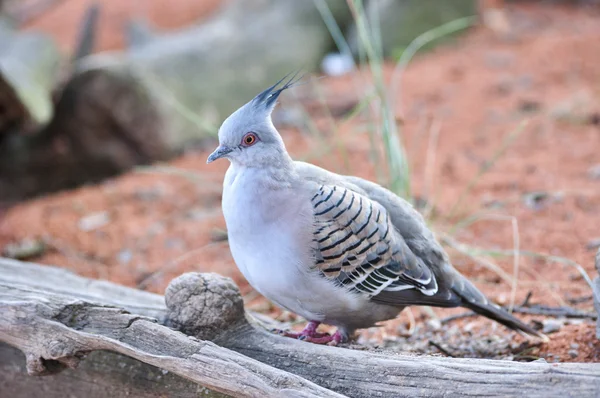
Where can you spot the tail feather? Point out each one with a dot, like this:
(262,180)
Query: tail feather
(499,315)
(473,299)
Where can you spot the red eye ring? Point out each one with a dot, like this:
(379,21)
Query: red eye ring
(249,139)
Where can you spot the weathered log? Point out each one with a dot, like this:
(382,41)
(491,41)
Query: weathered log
(103,374)
(56,331)
(109,317)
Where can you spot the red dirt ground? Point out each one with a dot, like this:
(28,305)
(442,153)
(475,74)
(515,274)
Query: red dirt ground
(478,90)
(62,21)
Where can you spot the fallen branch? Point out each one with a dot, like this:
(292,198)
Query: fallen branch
(55,317)
(536,309)
(556,312)
(56,332)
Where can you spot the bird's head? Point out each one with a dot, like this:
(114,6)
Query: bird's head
(248,137)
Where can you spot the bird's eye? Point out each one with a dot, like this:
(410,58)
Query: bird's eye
(249,139)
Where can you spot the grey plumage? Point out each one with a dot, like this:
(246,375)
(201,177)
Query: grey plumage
(334,249)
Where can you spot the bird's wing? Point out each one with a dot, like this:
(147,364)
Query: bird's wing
(400,279)
(375,242)
(356,243)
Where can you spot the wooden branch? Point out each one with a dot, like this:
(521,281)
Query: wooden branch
(556,312)
(56,331)
(102,374)
(208,306)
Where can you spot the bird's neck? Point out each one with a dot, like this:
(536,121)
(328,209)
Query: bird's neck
(275,172)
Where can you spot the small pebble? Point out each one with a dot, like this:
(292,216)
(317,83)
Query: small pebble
(539,200)
(502,299)
(594,172)
(93,221)
(200,214)
(499,60)
(25,249)
(434,324)
(336,64)
(573,353)
(174,243)
(124,256)
(552,325)
(149,195)
(593,244)
(574,346)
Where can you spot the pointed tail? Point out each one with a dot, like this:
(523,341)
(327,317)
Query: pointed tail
(473,299)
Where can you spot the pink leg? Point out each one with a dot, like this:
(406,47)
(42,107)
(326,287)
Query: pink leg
(310,331)
(329,340)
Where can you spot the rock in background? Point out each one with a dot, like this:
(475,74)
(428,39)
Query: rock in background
(165,92)
(400,22)
(29,66)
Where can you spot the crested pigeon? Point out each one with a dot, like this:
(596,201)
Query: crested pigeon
(334,249)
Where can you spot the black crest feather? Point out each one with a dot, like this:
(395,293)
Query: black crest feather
(268,98)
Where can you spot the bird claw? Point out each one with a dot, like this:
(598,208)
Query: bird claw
(285,333)
(308,334)
(326,340)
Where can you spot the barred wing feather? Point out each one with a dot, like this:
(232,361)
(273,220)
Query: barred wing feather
(356,244)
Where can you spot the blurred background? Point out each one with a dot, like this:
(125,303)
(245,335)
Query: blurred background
(484,114)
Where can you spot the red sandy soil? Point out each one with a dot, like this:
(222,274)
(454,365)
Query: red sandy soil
(477,91)
(62,21)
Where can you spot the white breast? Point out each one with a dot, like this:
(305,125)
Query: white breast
(270,237)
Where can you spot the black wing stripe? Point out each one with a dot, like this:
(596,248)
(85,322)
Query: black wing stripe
(356,215)
(329,235)
(326,199)
(338,255)
(373,261)
(331,246)
(345,209)
(365,252)
(332,270)
(387,230)
(372,233)
(342,198)
(370,245)
(327,210)
(368,219)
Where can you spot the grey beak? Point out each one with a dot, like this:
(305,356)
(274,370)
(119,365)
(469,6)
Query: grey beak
(218,153)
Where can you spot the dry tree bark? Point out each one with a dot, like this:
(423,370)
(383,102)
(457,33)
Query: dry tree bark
(55,331)
(56,318)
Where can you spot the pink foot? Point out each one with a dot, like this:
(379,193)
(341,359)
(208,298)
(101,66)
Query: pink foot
(329,340)
(310,331)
